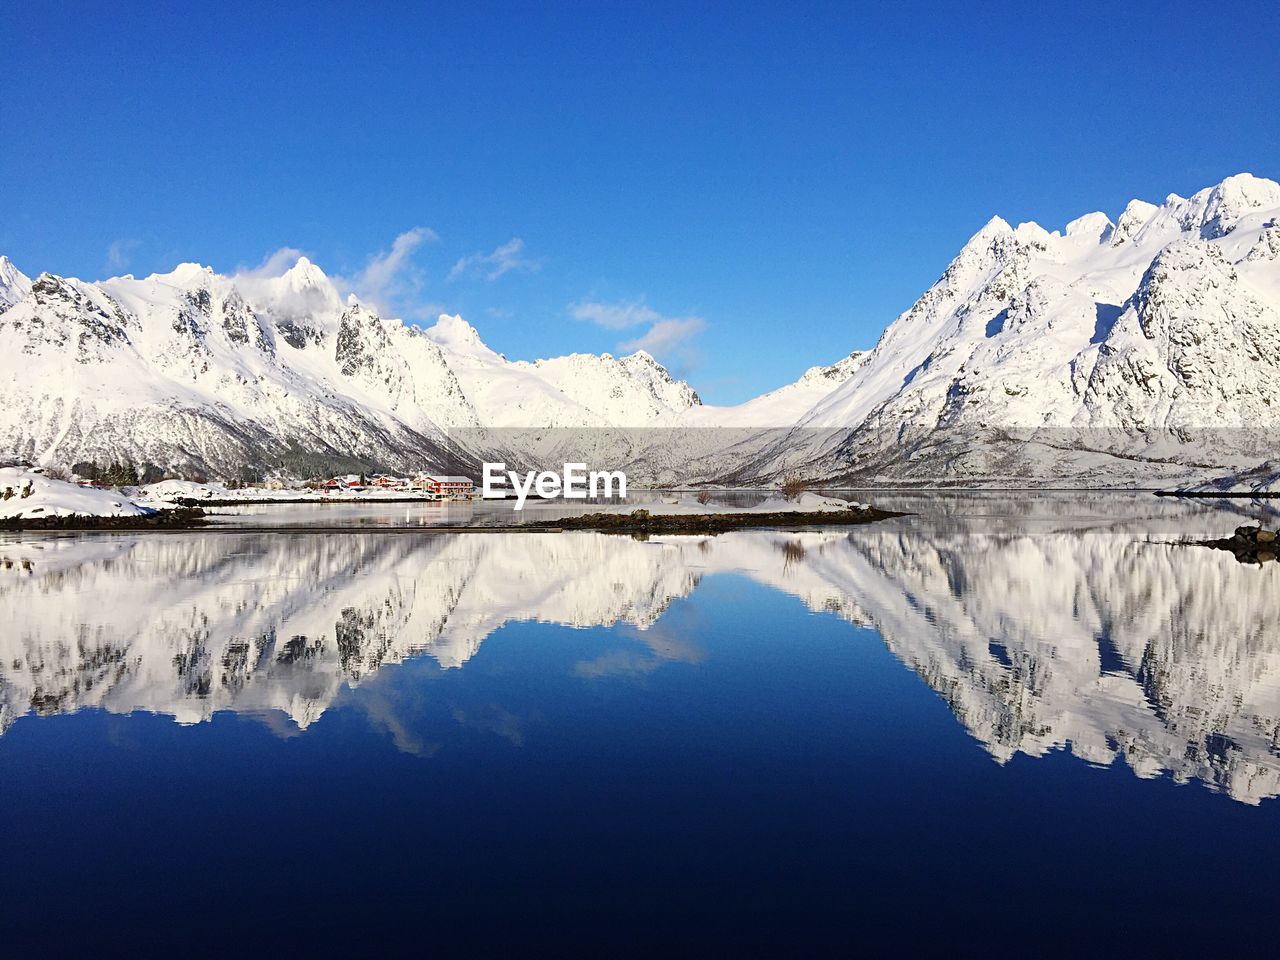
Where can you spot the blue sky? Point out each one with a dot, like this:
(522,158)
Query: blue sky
(748,188)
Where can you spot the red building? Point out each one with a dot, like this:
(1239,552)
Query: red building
(448,487)
(337,484)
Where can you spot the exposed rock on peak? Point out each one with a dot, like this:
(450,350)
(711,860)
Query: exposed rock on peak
(1221,207)
(1135,217)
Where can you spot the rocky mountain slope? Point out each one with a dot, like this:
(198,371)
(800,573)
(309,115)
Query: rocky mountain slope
(1143,347)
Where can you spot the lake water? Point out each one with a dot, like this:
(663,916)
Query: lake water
(1016,723)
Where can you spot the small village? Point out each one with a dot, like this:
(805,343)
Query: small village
(428,486)
(419,486)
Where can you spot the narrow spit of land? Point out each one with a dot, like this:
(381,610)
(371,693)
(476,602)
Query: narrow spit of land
(183,518)
(297,501)
(637,522)
(1218,495)
(642,521)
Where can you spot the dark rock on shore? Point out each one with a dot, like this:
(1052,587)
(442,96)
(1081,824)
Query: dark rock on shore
(182,518)
(644,522)
(1249,544)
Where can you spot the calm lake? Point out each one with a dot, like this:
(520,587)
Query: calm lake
(1017,722)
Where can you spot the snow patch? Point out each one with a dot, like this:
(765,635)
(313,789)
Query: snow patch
(28,494)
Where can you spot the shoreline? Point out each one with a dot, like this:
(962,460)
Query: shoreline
(297,501)
(644,522)
(626,523)
(1217,495)
(182,518)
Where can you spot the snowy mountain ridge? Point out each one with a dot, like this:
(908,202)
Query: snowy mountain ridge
(1107,337)
(192,369)
(1144,349)
(14,284)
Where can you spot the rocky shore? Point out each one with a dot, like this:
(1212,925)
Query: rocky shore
(178,519)
(1249,544)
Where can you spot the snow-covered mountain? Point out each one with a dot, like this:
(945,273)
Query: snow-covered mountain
(1130,349)
(1141,351)
(1145,349)
(14,284)
(783,407)
(192,369)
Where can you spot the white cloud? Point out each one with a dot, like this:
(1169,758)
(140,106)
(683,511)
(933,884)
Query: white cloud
(614,316)
(273,265)
(505,258)
(390,272)
(120,253)
(389,281)
(667,336)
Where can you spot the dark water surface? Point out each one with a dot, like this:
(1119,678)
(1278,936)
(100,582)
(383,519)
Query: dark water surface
(1027,724)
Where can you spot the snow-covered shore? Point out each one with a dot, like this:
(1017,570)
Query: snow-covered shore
(27,494)
(178,491)
(687,504)
(1262,479)
(182,491)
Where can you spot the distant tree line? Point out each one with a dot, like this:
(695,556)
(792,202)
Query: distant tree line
(303,463)
(119,474)
(122,474)
(294,462)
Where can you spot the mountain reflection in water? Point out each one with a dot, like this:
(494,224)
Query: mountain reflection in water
(1039,630)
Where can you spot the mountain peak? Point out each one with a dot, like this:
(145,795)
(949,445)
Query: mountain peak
(301,291)
(1136,215)
(997,226)
(674,393)
(1220,208)
(14,284)
(304,274)
(1094,226)
(991,236)
(836,372)
(1246,184)
(454,333)
(184,274)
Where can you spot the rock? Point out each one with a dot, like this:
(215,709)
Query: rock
(1252,545)
(1254,535)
